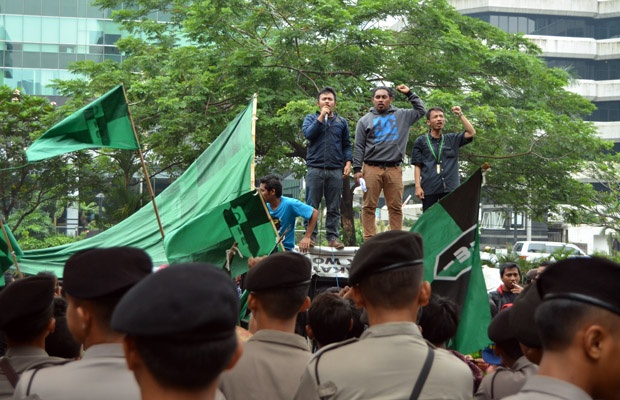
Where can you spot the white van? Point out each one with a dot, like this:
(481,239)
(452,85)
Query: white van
(532,251)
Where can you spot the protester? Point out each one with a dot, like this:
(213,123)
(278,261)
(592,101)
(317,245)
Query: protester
(284,210)
(26,320)
(436,157)
(328,159)
(330,319)
(380,144)
(391,359)
(439,322)
(94,281)
(579,325)
(61,343)
(175,349)
(507,292)
(274,358)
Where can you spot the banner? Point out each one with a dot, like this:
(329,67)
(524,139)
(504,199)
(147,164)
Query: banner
(6,260)
(452,260)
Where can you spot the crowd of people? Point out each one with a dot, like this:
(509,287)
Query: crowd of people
(114,329)
(130,333)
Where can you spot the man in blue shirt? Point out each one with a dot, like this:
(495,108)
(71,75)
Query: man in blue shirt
(284,210)
(328,160)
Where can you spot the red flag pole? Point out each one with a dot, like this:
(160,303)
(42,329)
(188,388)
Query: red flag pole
(146,173)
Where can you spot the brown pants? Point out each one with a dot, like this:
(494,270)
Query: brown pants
(391,181)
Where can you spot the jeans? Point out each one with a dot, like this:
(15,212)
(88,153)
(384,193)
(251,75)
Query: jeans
(389,179)
(325,182)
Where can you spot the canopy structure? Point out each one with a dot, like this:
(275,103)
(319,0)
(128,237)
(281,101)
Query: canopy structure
(220,174)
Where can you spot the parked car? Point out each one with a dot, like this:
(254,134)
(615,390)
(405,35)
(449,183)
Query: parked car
(532,251)
(489,259)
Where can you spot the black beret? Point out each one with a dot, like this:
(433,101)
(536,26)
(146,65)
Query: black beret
(96,273)
(387,251)
(186,301)
(522,316)
(26,298)
(591,280)
(499,329)
(278,271)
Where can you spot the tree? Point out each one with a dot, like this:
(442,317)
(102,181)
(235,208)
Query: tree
(25,188)
(187,77)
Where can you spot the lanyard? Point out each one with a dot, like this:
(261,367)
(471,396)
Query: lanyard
(437,157)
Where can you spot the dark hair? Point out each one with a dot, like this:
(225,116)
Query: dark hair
(558,336)
(27,329)
(393,289)
(358,325)
(545,263)
(329,317)
(185,365)
(283,304)
(61,342)
(511,348)
(508,265)
(389,90)
(272,182)
(439,319)
(326,89)
(428,112)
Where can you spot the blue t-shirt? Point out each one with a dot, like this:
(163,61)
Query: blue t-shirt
(284,216)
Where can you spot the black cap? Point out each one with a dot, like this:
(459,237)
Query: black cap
(279,271)
(95,273)
(385,252)
(194,301)
(591,280)
(499,329)
(26,298)
(522,316)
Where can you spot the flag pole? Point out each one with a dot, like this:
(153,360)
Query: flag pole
(279,241)
(146,173)
(254,118)
(10,248)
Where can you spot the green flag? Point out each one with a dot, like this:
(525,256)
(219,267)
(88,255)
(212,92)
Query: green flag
(452,260)
(6,260)
(221,173)
(103,123)
(206,238)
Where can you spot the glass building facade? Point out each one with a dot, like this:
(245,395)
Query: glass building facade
(40,38)
(566,29)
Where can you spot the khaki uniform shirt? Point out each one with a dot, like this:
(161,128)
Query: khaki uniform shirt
(538,387)
(506,381)
(270,367)
(101,374)
(21,359)
(384,364)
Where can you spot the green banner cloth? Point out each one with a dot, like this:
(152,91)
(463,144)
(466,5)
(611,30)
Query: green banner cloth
(6,260)
(103,123)
(243,220)
(452,260)
(219,175)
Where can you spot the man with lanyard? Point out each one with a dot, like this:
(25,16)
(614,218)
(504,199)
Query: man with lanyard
(436,157)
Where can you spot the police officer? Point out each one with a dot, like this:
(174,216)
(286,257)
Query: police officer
(579,326)
(26,319)
(508,378)
(522,323)
(391,359)
(274,358)
(93,282)
(180,326)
